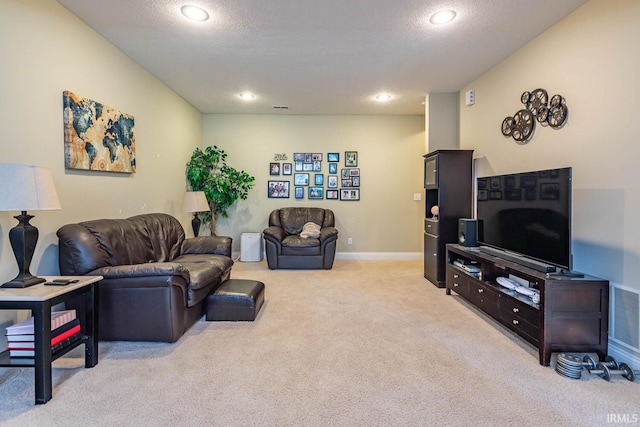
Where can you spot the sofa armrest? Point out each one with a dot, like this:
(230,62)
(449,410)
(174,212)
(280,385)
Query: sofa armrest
(217,245)
(328,233)
(143,270)
(274,233)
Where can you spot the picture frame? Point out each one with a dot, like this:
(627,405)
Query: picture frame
(301,179)
(513,194)
(482,183)
(274,169)
(355,181)
(333,157)
(494,183)
(286,169)
(354,172)
(351,158)
(332,194)
(530,194)
(332,181)
(347,183)
(307,167)
(345,174)
(495,195)
(86,149)
(278,189)
(299,191)
(317,165)
(510,181)
(316,157)
(550,191)
(318,179)
(333,168)
(483,195)
(298,157)
(350,194)
(528,181)
(298,166)
(316,193)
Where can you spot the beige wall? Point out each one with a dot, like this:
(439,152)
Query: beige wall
(46,50)
(591,58)
(441,121)
(390,149)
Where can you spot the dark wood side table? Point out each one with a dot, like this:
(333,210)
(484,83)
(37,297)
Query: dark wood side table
(39,299)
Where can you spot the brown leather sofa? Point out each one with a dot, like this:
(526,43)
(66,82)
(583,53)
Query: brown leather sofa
(286,249)
(156,282)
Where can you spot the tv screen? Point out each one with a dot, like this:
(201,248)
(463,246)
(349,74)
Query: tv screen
(527,213)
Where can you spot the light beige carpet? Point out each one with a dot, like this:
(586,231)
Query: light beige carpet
(369,343)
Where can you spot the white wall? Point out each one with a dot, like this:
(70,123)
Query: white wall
(591,58)
(390,150)
(46,50)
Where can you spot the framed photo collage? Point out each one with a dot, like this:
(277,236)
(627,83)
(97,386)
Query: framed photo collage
(313,180)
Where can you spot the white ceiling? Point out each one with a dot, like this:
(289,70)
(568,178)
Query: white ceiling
(318,56)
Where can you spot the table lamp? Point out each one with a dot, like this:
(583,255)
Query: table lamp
(195,201)
(25,188)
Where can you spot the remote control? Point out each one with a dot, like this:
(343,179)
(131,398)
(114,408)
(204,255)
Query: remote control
(61,282)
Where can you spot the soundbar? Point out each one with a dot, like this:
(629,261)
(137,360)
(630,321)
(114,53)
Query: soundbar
(518,259)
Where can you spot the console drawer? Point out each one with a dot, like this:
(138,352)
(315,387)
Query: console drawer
(512,308)
(519,317)
(457,281)
(484,297)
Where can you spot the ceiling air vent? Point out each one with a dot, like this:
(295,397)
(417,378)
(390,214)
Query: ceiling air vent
(280,107)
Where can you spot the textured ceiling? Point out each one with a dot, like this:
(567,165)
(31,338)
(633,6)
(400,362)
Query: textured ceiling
(318,56)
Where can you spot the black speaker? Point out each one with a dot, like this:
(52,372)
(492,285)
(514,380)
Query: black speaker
(468,232)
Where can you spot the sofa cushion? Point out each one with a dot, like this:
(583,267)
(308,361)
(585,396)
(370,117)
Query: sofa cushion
(206,273)
(293,220)
(204,269)
(165,234)
(296,245)
(125,242)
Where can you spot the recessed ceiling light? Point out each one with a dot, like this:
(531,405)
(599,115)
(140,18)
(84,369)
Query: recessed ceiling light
(194,12)
(442,17)
(247,96)
(383,97)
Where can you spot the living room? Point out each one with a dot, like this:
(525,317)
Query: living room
(587,57)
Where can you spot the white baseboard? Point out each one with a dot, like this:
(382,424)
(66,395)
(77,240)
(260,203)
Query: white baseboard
(622,355)
(388,256)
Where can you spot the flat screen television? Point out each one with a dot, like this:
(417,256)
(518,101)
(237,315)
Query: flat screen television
(528,214)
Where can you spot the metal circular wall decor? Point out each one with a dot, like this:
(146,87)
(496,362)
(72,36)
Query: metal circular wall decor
(538,108)
(523,125)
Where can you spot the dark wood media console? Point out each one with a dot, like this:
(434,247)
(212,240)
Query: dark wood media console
(573,313)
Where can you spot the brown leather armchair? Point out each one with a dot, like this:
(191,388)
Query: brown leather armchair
(155,283)
(286,249)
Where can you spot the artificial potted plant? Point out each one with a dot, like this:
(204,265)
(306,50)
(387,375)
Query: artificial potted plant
(222,185)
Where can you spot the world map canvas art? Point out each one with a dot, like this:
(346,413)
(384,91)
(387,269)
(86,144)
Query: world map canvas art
(97,137)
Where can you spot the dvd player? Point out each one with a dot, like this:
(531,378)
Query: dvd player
(467,267)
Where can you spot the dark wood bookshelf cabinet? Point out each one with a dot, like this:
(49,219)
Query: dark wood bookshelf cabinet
(448,184)
(572,315)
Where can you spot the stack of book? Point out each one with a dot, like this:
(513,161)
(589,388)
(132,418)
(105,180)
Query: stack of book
(65,330)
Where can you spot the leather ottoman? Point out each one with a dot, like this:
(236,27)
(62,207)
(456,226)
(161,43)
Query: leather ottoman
(235,300)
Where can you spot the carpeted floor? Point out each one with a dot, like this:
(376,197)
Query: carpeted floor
(369,343)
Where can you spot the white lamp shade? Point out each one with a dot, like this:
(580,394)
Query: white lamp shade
(195,201)
(27,188)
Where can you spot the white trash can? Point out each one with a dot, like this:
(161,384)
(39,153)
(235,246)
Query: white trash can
(251,247)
